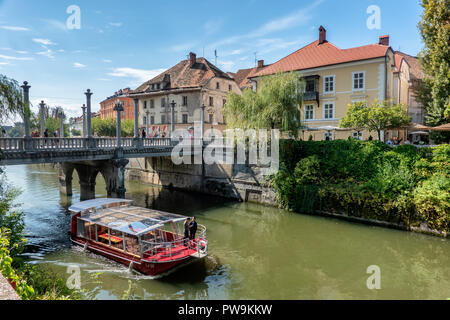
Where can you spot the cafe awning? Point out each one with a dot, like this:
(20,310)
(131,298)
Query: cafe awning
(444,127)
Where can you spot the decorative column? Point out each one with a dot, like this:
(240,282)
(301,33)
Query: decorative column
(90,142)
(61,124)
(147,127)
(172,128)
(84,120)
(120,164)
(119,108)
(42,111)
(26,114)
(136,118)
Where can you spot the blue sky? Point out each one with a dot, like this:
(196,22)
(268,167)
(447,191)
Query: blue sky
(124,43)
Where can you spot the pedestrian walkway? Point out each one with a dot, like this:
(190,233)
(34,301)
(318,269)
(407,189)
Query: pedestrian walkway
(6,291)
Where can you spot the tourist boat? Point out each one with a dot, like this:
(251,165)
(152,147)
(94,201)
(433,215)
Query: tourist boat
(149,241)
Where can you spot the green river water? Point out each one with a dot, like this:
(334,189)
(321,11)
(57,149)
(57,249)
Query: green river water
(255,252)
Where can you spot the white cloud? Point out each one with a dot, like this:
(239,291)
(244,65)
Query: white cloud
(47,53)
(116,24)
(12,28)
(107,60)
(55,24)
(226,64)
(45,42)
(15,58)
(236,52)
(4,63)
(79,65)
(137,75)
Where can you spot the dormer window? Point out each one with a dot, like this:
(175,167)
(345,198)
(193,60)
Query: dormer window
(217,85)
(158,86)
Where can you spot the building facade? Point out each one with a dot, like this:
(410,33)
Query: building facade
(107,106)
(335,78)
(190,84)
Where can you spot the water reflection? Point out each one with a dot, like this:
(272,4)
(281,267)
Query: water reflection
(256,252)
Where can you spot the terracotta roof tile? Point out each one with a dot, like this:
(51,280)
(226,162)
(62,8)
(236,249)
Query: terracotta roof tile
(414,65)
(317,55)
(183,75)
(243,76)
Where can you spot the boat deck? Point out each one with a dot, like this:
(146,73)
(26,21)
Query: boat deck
(178,252)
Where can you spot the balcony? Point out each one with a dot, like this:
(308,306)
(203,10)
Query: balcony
(311,96)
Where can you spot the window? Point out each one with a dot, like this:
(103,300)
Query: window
(217,85)
(211,118)
(153,86)
(158,86)
(310,86)
(328,84)
(185,101)
(328,111)
(211,101)
(230,87)
(328,136)
(145,120)
(163,119)
(163,102)
(357,135)
(152,120)
(152,104)
(185,118)
(359,80)
(145,104)
(309,112)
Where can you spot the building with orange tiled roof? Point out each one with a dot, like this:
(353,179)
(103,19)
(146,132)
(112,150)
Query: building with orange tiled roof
(190,84)
(335,78)
(243,76)
(107,105)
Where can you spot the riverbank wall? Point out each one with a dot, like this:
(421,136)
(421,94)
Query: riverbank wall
(244,183)
(240,182)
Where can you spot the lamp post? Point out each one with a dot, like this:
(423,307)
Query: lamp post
(119,108)
(42,111)
(61,123)
(147,127)
(202,119)
(172,128)
(88,94)
(26,116)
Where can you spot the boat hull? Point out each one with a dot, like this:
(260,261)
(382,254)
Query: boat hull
(155,269)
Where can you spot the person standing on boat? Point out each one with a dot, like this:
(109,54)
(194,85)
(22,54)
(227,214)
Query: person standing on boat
(187,224)
(192,229)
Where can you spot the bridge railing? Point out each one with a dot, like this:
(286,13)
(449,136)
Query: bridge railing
(69,144)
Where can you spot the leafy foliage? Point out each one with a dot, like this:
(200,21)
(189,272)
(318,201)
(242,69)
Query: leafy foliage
(435,60)
(107,127)
(11,101)
(275,105)
(366,179)
(377,117)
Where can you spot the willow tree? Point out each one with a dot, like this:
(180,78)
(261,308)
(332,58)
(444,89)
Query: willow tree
(377,117)
(11,101)
(435,60)
(275,105)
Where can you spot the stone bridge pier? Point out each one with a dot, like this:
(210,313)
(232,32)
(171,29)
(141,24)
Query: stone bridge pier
(113,171)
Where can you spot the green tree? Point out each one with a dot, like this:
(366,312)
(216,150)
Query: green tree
(377,117)
(275,105)
(435,60)
(11,101)
(107,127)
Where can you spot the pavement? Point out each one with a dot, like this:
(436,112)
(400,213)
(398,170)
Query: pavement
(6,291)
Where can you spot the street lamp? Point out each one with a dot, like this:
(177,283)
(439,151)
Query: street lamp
(84,120)
(172,129)
(119,109)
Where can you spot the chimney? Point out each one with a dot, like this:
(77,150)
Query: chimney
(260,63)
(384,40)
(322,35)
(192,58)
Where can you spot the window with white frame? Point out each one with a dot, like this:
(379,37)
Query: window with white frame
(328,110)
(309,112)
(328,136)
(357,135)
(359,80)
(329,84)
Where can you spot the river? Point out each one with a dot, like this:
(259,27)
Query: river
(256,252)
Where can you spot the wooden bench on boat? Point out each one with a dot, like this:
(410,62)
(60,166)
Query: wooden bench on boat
(114,239)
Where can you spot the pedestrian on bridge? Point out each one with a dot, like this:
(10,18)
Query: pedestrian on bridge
(144,134)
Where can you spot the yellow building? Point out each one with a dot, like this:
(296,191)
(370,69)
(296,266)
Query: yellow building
(335,78)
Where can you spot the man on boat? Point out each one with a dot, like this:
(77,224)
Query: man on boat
(192,229)
(187,224)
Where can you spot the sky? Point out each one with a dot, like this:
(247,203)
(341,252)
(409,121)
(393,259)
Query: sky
(119,44)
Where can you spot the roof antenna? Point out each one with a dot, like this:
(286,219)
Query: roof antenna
(216,56)
(256,59)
